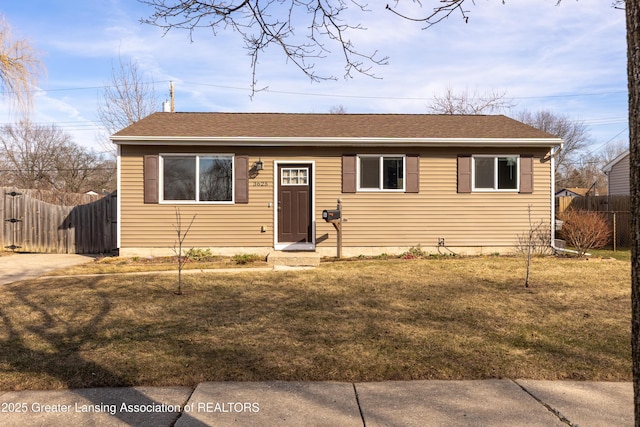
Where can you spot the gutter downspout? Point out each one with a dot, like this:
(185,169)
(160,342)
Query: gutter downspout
(119,197)
(554,152)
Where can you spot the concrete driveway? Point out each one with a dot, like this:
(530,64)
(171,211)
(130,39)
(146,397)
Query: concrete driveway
(28,266)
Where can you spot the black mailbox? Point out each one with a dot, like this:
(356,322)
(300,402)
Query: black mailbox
(329,215)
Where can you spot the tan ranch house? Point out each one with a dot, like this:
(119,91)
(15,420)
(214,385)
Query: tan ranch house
(259,182)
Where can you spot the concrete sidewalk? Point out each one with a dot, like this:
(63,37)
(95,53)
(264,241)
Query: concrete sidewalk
(401,403)
(22,266)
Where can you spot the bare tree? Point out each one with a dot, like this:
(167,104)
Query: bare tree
(337,109)
(20,67)
(181,257)
(587,173)
(586,170)
(30,152)
(574,133)
(273,23)
(612,150)
(127,97)
(79,170)
(632,9)
(464,102)
(74,168)
(35,156)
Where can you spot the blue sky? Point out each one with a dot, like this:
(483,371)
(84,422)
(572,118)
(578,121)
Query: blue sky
(568,58)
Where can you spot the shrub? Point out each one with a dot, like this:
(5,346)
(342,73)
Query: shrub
(198,254)
(247,258)
(414,252)
(585,230)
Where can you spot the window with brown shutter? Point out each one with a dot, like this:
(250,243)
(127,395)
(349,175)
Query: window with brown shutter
(526,173)
(151,174)
(380,173)
(495,173)
(202,178)
(464,173)
(413,173)
(349,173)
(242,179)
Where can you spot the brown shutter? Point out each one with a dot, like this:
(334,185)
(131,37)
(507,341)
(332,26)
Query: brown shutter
(526,173)
(349,173)
(464,173)
(242,179)
(413,173)
(151,174)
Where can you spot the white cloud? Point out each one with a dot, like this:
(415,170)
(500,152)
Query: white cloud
(545,56)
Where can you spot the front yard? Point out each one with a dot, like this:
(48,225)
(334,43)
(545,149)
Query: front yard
(370,320)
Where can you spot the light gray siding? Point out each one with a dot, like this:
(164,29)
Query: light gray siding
(619,178)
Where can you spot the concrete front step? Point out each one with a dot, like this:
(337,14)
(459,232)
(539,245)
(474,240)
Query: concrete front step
(293,259)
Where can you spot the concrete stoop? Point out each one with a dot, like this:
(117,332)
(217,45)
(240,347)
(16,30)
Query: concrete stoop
(293,259)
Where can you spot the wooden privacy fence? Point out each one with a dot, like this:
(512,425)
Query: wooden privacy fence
(41,221)
(616,209)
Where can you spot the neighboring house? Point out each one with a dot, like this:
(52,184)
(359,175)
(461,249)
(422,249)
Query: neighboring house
(572,192)
(617,172)
(258,182)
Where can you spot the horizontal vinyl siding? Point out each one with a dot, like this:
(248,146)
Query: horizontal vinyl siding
(474,219)
(152,225)
(373,219)
(619,178)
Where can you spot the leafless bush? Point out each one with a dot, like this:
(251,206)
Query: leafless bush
(538,239)
(585,230)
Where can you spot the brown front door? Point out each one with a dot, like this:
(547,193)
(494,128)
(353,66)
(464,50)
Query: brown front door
(294,203)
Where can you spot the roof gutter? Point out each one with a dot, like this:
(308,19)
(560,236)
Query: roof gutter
(336,141)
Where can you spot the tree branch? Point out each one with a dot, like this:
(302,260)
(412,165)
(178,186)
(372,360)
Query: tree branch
(439,13)
(262,24)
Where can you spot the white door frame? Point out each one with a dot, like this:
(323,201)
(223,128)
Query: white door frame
(311,246)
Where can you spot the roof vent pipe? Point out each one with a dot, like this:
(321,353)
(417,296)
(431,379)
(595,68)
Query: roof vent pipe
(172,96)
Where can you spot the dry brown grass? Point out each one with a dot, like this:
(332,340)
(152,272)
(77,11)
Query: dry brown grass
(112,265)
(347,321)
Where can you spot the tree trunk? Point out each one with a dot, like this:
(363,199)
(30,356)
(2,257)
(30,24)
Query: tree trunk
(633,75)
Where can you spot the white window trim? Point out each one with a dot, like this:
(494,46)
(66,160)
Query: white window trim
(495,174)
(380,178)
(197,156)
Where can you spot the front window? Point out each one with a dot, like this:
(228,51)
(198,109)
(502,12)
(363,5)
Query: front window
(197,178)
(381,173)
(495,173)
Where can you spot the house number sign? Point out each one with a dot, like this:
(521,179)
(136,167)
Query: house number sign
(260,183)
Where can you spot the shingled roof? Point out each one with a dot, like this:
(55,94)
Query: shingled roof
(310,126)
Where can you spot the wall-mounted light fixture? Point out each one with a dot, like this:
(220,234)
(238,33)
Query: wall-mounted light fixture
(258,165)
